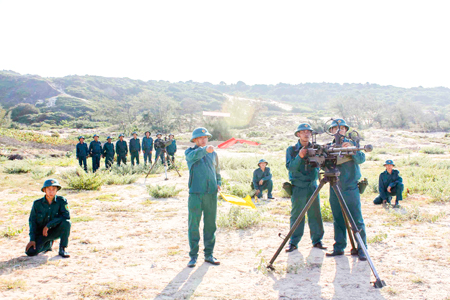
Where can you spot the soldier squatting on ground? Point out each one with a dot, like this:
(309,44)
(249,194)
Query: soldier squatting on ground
(389,184)
(262,180)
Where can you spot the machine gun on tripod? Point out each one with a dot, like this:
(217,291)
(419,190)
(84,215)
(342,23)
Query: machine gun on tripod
(162,146)
(327,158)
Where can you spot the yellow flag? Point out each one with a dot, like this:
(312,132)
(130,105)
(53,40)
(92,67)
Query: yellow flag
(247,201)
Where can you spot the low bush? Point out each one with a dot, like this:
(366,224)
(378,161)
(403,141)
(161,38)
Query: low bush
(165,191)
(120,179)
(80,180)
(17,168)
(39,173)
(432,150)
(325,210)
(239,218)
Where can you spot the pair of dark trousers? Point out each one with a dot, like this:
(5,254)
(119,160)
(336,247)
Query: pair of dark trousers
(134,156)
(95,162)
(147,156)
(83,161)
(43,243)
(109,161)
(121,159)
(396,191)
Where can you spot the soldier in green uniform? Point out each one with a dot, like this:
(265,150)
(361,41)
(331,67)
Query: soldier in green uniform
(348,183)
(108,152)
(82,153)
(303,178)
(95,151)
(121,150)
(135,149)
(204,183)
(49,220)
(147,147)
(171,149)
(262,180)
(159,146)
(389,184)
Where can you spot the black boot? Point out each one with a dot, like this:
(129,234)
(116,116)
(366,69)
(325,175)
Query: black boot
(63,252)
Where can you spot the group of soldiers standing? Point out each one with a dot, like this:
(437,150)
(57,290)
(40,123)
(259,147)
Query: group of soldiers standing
(134,147)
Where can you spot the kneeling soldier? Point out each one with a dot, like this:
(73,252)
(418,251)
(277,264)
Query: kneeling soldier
(95,150)
(49,221)
(390,184)
(204,183)
(262,179)
(121,150)
(135,149)
(303,178)
(171,149)
(82,152)
(108,152)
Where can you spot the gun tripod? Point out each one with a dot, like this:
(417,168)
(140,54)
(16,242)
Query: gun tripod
(165,165)
(332,176)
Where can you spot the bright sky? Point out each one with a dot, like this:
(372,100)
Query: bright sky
(400,43)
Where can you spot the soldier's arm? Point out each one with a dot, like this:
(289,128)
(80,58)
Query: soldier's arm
(255,179)
(194,155)
(269,175)
(78,151)
(381,188)
(359,157)
(90,148)
(33,224)
(64,214)
(139,145)
(218,177)
(397,179)
(293,163)
(175,144)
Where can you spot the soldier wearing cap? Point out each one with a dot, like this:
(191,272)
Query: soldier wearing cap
(204,183)
(389,184)
(171,148)
(108,152)
(159,151)
(95,151)
(121,150)
(262,180)
(348,183)
(147,147)
(135,148)
(303,178)
(49,220)
(82,153)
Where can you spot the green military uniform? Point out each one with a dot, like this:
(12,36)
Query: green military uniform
(392,180)
(147,147)
(54,216)
(122,151)
(108,153)
(82,153)
(266,176)
(159,145)
(135,148)
(348,183)
(303,178)
(171,150)
(204,177)
(95,150)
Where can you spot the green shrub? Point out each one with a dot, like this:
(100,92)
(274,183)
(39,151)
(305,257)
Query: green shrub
(80,180)
(432,150)
(378,238)
(325,210)
(165,191)
(17,168)
(414,214)
(238,189)
(120,179)
(239,218)
(39,173)
(10,232)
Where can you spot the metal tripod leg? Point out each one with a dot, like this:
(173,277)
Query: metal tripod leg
(313,197)
(378,283)
(156,160)
(354,250)
(173,164)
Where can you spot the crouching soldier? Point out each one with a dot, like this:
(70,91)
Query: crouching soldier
(147,147)
(49,220)
(262,180)
(121,150)
(108,152)
(348,183)
(390,184)
(82,153)
(204,183)
(95,150)
(135,149)
(159,148)
(303,178)
(171,149)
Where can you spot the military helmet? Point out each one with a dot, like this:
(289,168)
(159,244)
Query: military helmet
(109,137)
(338,122)
(263,161)
(95,135)
(148,132)
(121,135)
(389,162)
(159,133)
(81,137)
(171,134)
(303,126)
(199,132)
(51,182)
(134,132)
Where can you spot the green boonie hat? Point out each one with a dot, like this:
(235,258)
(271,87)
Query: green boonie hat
(338,122)
(389,162)
(108,138)
(134,132)
(95,135)
(81,137)
(121,135)
(303,126)
(199,132)
(263,161)
(51,182)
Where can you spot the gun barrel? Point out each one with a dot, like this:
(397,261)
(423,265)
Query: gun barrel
(344,150)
